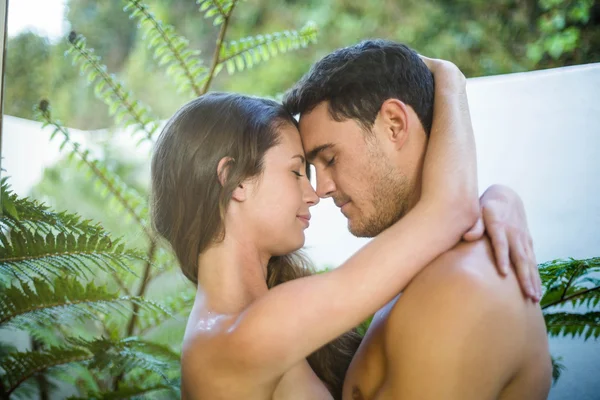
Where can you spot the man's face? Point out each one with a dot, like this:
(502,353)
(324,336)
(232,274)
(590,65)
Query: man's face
(358,169)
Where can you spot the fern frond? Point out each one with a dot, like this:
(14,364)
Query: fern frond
(31,215)
(8,201)
(176,306)
(122,356)
(220,10)
(570,281)
(164,261)
(20,366)
(24,255)
(137,392)
(131,201)
(100,355)
(67,299)
(564,324)
(6,349)
(120,102)
(557,368)
(183,65)
(247,52)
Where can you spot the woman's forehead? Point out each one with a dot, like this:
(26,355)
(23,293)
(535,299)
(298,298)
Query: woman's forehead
(289,137)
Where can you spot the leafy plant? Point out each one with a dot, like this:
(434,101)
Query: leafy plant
(80,293)
(570,302)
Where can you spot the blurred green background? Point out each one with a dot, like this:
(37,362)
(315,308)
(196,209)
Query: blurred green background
(481,37)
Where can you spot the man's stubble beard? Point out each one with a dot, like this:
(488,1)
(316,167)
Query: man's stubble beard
(390,191)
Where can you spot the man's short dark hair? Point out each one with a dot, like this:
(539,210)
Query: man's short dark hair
(356,80)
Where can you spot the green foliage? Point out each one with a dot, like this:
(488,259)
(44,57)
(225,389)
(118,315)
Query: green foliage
(47,265)
(573,285)
(120,102)
(247,52)
(557,368)
(31,248)
(23,90)
(126,198)
(481,37)
(108,28)
(61,301)
(219,10)
(560,26)
(171,50)
(102,355)
(571,282)
(566,324)
(67,281)
(70,284)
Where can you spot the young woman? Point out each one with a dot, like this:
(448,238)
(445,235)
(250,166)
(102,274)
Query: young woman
(232,196)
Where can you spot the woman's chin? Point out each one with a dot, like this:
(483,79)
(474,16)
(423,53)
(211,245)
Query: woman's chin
(300,242)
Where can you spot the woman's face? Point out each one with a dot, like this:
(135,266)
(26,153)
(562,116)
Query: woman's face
(278,202)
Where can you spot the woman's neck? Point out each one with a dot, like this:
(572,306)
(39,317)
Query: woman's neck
(231,275)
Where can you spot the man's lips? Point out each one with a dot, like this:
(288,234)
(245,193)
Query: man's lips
(341,204)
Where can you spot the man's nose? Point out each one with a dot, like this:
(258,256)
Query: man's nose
(325,186)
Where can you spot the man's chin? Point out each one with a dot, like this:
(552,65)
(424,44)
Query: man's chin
(368,228)
(359,230)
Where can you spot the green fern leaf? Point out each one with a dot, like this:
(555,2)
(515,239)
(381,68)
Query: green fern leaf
(102,354)
(39,302)
(557,368)
(217,9)
(110,182)
(570,281)
(32,254)
(175,306)
(141,392)
(20,366)
(247,52)
(171,49)
(37,217)
(565,324)
(113,94)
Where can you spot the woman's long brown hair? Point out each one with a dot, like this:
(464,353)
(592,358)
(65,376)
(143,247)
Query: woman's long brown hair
(189,202)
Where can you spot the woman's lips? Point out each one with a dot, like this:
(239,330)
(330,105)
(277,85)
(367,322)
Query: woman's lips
(305,219)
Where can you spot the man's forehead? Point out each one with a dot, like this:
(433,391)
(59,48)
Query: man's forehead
(318,130)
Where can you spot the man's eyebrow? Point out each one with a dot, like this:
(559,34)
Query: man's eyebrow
(311,155)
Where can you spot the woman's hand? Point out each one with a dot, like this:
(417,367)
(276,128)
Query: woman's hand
(503,218)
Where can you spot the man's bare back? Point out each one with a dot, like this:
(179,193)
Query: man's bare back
(459,331)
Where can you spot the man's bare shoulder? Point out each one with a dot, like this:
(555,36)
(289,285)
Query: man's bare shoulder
(456,292)
(461,328)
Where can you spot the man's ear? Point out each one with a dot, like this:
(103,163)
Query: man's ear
(239,193)
(393,122)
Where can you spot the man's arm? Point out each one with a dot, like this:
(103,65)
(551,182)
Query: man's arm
(454,334)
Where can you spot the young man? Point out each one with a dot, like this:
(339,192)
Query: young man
(460,330)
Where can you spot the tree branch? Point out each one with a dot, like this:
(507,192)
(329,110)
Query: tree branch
(220,39)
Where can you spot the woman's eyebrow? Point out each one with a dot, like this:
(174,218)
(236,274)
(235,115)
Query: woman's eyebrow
(301,157)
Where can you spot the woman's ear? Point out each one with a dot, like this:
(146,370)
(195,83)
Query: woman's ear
(239,193)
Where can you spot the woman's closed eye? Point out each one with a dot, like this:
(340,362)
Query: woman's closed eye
(331,162)
(298,174)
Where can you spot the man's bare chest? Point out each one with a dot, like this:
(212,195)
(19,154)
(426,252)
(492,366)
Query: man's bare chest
(367,372)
